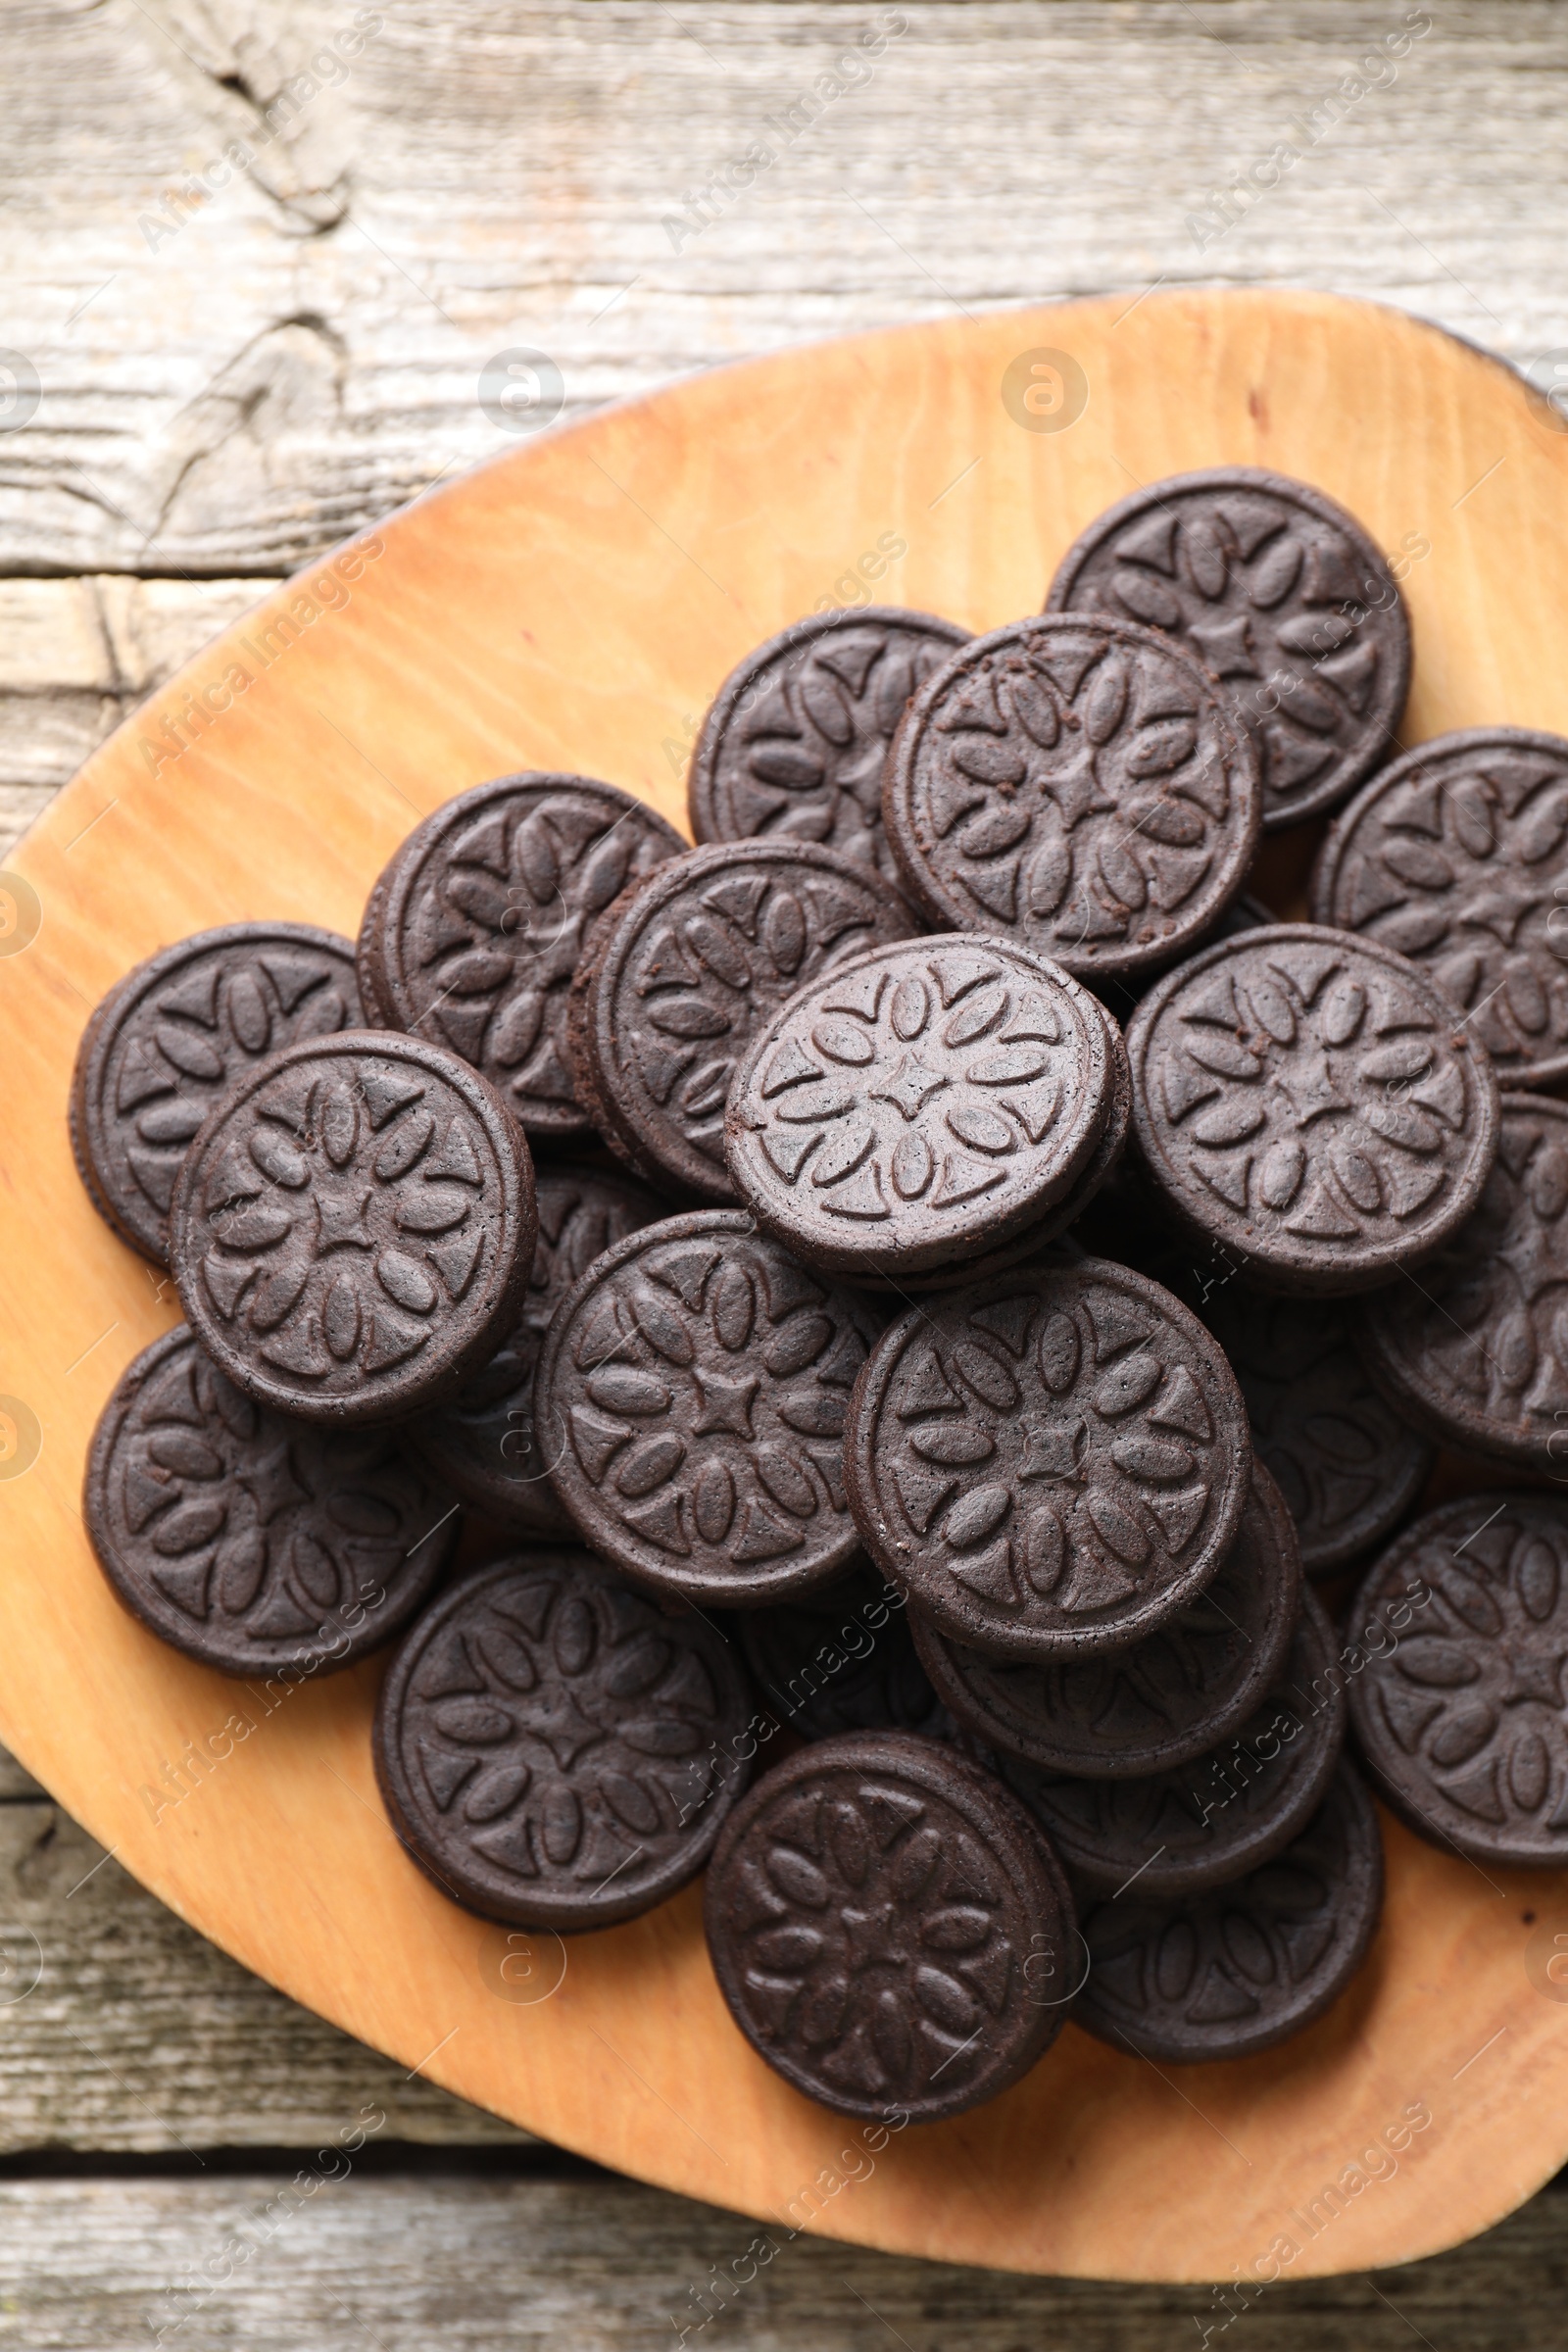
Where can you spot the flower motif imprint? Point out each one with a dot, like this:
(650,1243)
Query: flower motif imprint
(1462,1710)
(1482,1347)
(1240,1968)
(795,744)
(878,1942)
(695,1391)
(176,1033)
(1078,786)
(1310,1099)
(348,1212)
(252,1541)
(473,932)
(550,1739)
(922,1091)
(1057,1463)
(1452,858)
(704,955)
(1281,597)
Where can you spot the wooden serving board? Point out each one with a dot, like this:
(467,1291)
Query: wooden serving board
(573,605)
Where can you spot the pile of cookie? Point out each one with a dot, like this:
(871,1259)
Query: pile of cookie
(840,1351)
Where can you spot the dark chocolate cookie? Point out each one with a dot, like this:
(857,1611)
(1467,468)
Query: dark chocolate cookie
(1051,1464)
(472,933)
(483,1444)
(925,1102)
(1077,786)
(1475,1350)
(1232,1972)
(173,1036)
(691,1398)
(889,1928)
(353,1227)
(553,1749)
(1051,1234)
(1306,1097)
(1122,1714)
(794,743)
(1281,595)
(1347,1466)
(854,1672)
(1211,1820)
(704,952)
(1460,1708)
(251,1542)
(1451,855)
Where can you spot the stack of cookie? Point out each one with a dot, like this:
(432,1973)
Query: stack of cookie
(888,1375)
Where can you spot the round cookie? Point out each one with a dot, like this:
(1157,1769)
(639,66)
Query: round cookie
(924,1104)
(1232,1972)
(1347,1466)
(1051,1464)
(171,1037)
(1211,1820)
(473,930)
(1459,1708)
(1281,595)
(256,1544)
(353,1227)
(483,1444)
(794,746)
(889,1928)
(1123,1714)
(553,1749)
(823,1675)
(1304,1097)
(1052,1232)
(691,1397)
(1452,856)
(1475,1353)
(1077,786)
(700,957)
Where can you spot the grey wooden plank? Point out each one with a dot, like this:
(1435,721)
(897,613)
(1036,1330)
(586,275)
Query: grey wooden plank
(123,2028)
(76,655)
(233,375)
(338,2260)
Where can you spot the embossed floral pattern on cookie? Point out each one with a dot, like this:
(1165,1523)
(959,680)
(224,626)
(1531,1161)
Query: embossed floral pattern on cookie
(1077,786)
(353,1227)
(692,1397)
(554,1750)
(250,1541)
(1452,856)
(795,744)
(924,1101)
(1462,1709)
(1281,595)
(1053,1462)
(1309,1099)
(872,1909)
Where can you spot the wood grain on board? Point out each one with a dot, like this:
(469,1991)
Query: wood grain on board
(663,539)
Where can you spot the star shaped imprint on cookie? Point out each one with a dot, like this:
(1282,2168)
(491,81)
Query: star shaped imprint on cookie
(923,1102)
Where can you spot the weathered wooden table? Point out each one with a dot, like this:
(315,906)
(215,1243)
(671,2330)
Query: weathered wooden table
(258,253)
